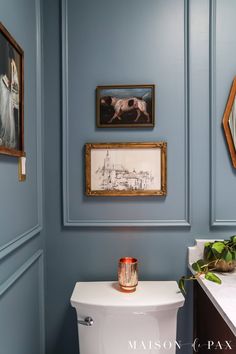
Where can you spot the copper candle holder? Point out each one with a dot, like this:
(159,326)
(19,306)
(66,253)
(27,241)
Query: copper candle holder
(128,273)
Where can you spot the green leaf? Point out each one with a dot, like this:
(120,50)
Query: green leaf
(210,254)
(201,263)
(207,244)
(212,277)
(233,255)
(197,266)
(233,238)
(218,247)
(227,256)
(181,285)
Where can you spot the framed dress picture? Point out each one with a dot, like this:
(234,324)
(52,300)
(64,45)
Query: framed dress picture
(11,95)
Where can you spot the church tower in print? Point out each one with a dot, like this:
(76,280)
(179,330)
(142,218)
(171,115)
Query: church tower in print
(107,163)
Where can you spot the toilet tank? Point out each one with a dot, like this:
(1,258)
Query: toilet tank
(114,322)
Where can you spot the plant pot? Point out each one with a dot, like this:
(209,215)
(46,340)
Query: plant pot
(222,266)
(216,263)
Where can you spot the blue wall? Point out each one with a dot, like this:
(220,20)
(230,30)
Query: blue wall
(21,241)
(187,48)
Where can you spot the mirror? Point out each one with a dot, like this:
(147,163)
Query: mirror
(232,122)
(229,122)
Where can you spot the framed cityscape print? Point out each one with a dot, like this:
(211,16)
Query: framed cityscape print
(11,95)
(126,169)
(126,106)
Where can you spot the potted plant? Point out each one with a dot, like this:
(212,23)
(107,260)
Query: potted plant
(218,256)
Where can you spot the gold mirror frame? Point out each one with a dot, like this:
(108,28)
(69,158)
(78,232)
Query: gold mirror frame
(226,123)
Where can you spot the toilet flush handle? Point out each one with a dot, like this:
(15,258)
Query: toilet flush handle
(88,321)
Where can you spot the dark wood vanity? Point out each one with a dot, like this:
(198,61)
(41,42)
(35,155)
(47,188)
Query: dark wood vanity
(211,332)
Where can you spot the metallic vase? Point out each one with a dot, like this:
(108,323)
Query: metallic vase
(128,273)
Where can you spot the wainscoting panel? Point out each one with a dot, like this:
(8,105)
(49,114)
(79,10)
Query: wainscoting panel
(92,60)
(222,70)
(21,202)
(22,286)
(22,309)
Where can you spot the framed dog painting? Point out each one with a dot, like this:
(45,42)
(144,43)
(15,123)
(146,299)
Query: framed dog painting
(125,106)
(126,169)
(11,95)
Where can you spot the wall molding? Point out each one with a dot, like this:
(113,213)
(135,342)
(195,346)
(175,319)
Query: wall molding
(6,285)
(35,230)
(68,222)
(214,222)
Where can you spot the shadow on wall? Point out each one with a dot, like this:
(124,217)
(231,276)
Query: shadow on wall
(67,341)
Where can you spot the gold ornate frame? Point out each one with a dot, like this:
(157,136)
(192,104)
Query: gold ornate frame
(130,192)
(12,43)
(123,125)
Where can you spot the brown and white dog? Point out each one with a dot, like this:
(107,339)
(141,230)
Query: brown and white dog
(122,105)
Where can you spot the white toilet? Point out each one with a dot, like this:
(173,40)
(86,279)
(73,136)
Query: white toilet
(114,322)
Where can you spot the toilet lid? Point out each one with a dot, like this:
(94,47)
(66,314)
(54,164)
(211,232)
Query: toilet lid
(149,295)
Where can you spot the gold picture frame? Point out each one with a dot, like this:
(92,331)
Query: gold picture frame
(12,93)
(125,106)
(126,169)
